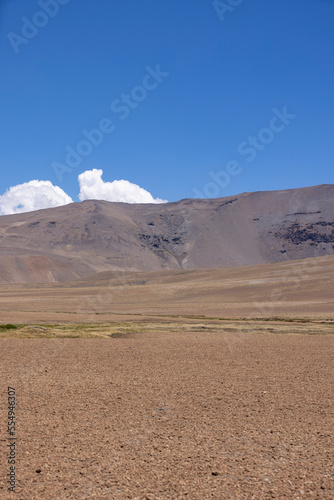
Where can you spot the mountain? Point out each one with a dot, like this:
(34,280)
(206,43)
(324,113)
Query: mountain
(77,240)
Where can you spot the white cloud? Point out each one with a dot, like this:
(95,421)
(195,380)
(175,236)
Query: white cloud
(36,195)
(32,195)
(92,187)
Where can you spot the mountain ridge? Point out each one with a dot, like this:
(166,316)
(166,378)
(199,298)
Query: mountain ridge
(77,240)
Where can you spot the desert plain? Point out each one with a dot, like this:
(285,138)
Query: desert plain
(210,383)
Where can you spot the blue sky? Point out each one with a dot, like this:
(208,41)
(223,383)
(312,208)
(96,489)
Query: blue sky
(227,70)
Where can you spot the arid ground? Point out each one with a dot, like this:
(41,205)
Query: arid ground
(178,384)
(172,415)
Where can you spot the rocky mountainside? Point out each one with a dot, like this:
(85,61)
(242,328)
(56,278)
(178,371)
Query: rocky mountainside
(80,239)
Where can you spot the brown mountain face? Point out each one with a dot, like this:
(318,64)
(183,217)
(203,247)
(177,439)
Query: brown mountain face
(80,239)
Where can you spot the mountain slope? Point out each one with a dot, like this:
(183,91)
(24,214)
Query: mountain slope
(77,240)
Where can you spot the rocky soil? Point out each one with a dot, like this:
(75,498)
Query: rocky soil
(171,415)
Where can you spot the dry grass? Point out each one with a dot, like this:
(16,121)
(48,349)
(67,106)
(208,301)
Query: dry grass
(168,324)
(300,290)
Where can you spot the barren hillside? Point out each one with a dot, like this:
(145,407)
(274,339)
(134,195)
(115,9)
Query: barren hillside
(80,239)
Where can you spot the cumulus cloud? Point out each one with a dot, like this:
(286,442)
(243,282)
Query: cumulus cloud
(36,195)
(32,195)
(92,187)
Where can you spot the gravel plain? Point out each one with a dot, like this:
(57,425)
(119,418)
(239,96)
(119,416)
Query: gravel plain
(195,415)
